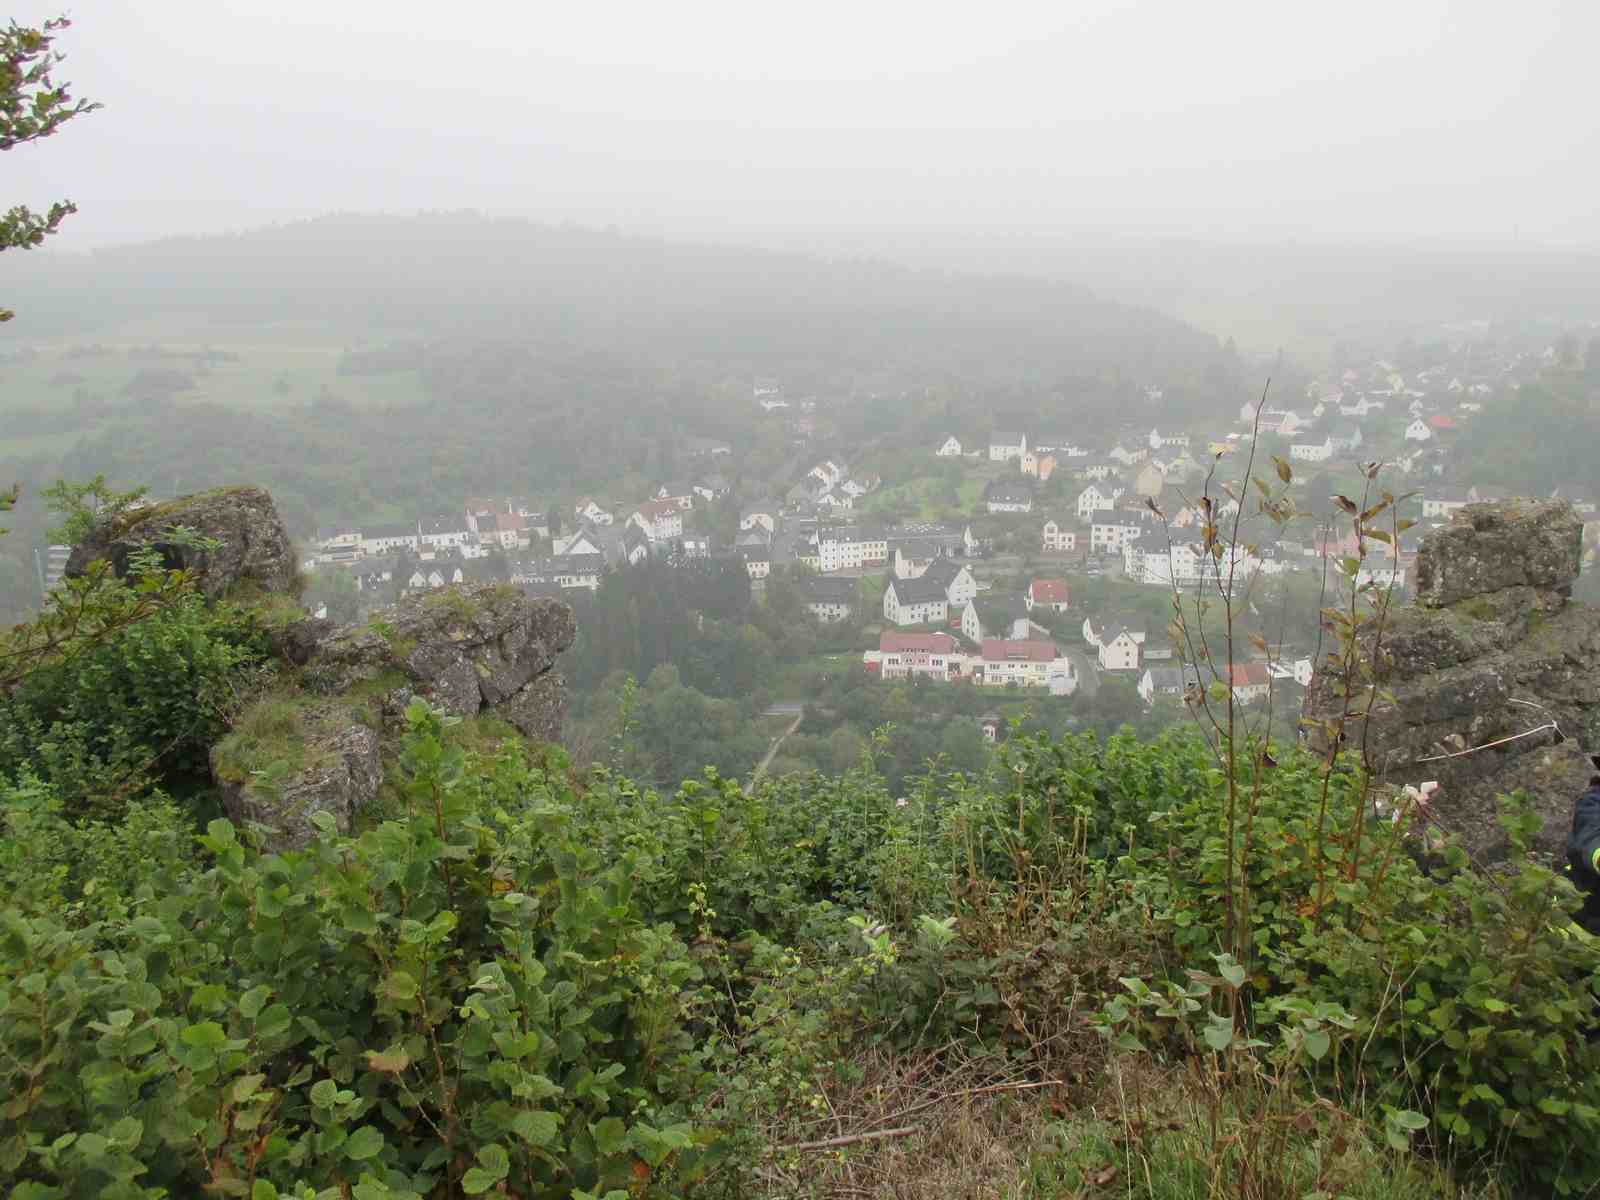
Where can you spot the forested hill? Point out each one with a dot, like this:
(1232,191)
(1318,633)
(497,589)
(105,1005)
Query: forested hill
(457,273)
(372,368)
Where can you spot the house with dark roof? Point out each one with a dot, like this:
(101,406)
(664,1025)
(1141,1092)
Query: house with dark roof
(921,601)
(829,599)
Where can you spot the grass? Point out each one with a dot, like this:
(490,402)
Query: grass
(983,1128)
(282,367)
(276,734)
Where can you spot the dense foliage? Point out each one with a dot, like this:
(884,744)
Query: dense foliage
(511,978)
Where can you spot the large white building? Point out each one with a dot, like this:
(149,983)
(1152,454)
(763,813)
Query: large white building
(850,548)
(920,601)
(935,656)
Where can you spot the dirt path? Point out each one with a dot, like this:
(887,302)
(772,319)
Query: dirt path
(772,752)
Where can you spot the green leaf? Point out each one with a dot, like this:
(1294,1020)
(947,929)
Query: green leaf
(493,1158)
(1219,1033)
(324,1093)
(477,1181)
(205,1034)
(400,986)
(245,1086)
(262,1190)
(1316,1043)
(253,1001)
(363,1144)
(610,1136)
(536,1128)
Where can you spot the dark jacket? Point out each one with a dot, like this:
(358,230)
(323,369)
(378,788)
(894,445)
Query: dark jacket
(1582,843)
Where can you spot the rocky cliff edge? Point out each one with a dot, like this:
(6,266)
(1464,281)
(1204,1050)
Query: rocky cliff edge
(315,739)
(1494,673)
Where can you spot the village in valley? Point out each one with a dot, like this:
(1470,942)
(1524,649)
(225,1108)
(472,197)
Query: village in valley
(1055,567)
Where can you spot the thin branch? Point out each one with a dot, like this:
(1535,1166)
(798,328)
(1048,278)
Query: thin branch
(848,1139)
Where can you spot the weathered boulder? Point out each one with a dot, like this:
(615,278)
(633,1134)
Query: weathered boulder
(465,648)
(332,765)
(1496,548)
(253,551)
(314,744)
(1494,674)
(538,708)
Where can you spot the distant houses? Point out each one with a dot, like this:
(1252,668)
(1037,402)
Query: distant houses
(1005,445)
(1008,497)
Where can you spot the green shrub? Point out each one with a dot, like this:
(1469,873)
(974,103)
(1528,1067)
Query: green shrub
(460,998)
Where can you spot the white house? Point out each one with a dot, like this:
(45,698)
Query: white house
(921,601)
(1159,440)
(971,623)
(635,546)
(1058,538)
(576,542)
(1095,499)
(949,448)
(935,656)
(1027,663)
(956,580)
(1008,498)
(1345,438)
(757,561)
(1165,681)
(1111,535)
(828,600)
(850,548)
(766,518)
(1311,451)
(1047,593)
(386,539)
(1119,648)
(590,511)
(1126,455)
(1298,669)
(1005,446)
(445,533)
(658,520)
(1418,431)
(1360,407)
(1440,505)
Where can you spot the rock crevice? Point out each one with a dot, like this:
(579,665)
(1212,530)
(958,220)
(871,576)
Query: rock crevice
(1494,674)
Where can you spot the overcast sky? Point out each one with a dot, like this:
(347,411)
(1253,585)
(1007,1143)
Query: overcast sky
(1392,118)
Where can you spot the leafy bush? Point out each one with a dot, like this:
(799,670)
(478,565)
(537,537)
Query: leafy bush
(106,716)
(460,998)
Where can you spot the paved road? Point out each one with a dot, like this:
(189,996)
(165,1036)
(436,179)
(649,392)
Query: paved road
(1088,675)
(784,708)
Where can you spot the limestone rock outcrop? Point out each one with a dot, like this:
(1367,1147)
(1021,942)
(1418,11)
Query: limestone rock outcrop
(465,648)
(336,769)
(252,547)
(470,649)
(1494,674)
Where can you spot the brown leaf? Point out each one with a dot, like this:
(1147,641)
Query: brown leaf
(1103,1176)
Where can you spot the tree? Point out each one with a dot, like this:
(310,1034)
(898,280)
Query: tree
(32,106)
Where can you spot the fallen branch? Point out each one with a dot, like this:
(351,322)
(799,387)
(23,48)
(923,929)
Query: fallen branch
(977,1091)
(849,1139)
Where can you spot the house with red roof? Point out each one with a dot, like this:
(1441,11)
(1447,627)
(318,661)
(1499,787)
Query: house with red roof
(1250,681)
(1047,593)
(935,656)
(1027,663)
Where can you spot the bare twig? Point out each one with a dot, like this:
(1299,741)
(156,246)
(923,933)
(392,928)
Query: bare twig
(849,1139)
